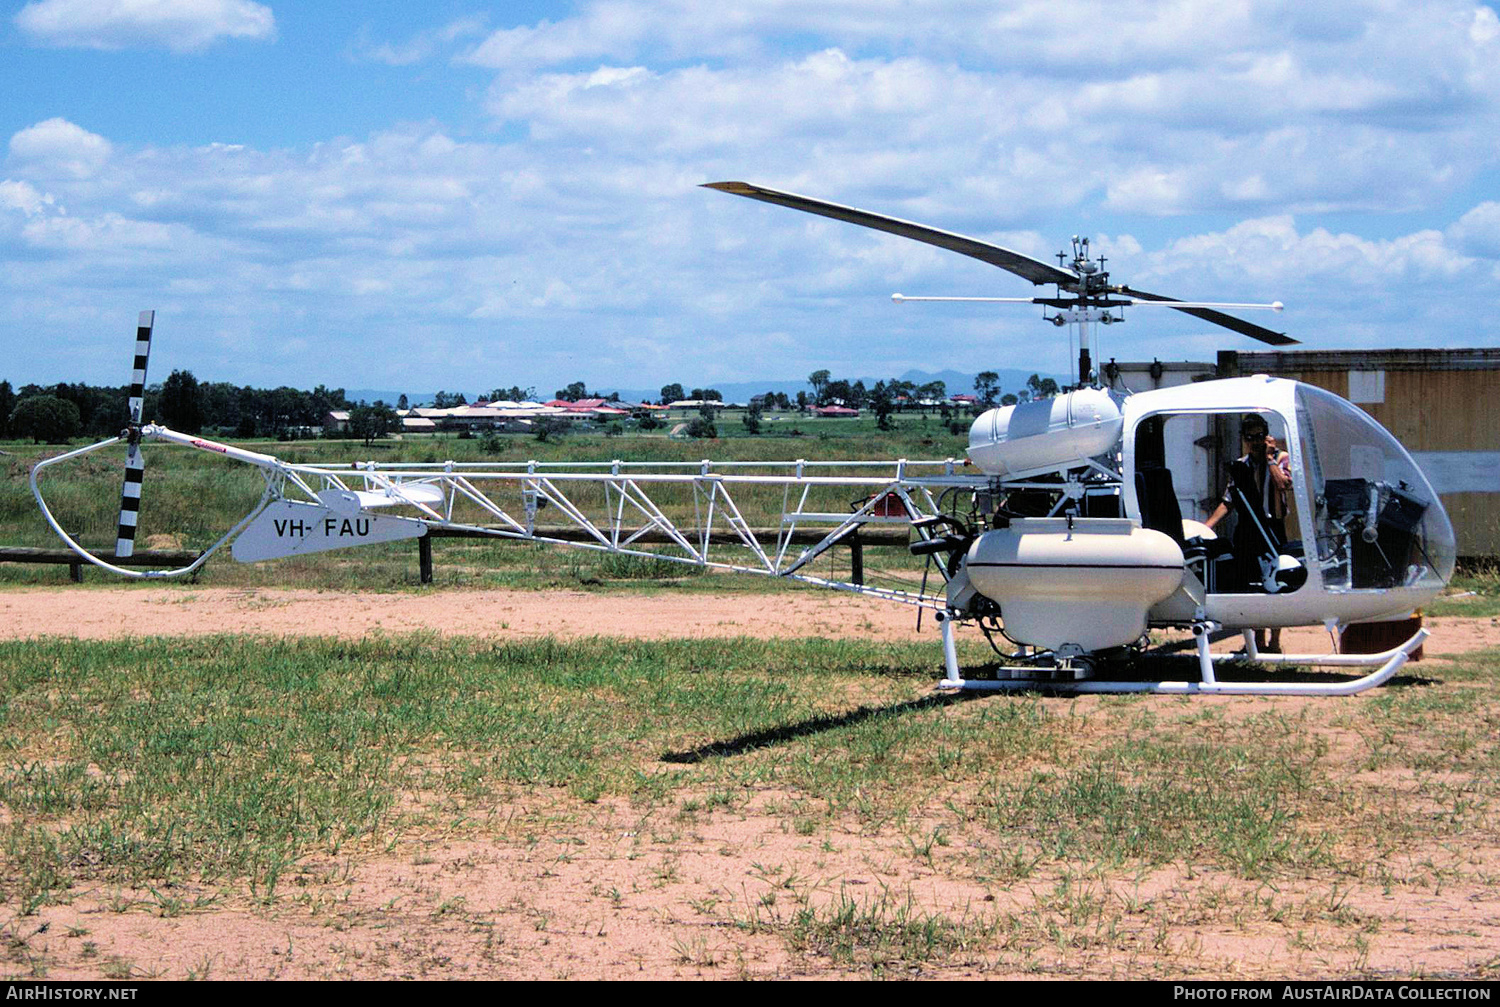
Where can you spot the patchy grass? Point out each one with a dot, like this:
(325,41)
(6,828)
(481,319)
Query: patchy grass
(1474,592)
(149,761)
(883,934)
(191,772)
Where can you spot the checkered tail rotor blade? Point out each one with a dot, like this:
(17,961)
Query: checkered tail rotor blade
(135,462)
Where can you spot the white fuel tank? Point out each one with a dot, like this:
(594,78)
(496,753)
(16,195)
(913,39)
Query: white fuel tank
(1089,585)
(1040,436)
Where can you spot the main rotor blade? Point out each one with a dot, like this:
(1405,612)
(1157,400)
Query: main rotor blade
(1230,322)
(135,462)
(1022,265)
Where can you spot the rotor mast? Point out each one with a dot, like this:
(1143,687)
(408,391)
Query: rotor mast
(1089,313)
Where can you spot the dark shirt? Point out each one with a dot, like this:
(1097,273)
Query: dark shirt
(1265,492)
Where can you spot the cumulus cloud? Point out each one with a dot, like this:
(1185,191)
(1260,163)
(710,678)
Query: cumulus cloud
(1477,232)
(1273,250)
(1168,109)
(22,196)
(178,25)
(58,146)
(1205,140)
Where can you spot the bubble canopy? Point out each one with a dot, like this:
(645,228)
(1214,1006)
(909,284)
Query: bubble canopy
(1364,523)
(1376,520)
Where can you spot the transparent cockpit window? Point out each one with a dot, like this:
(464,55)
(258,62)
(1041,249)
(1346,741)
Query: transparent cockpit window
(1377,523)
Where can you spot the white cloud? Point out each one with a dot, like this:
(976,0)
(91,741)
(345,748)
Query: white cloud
(421,46)
(178,25)
(602,30)
(1169,108)
(22,196)
(99,236)
(1485,27)
(574,244)
(1478,231)
(58,146)
(1320,274)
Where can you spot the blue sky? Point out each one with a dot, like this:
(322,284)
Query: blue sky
(465,196)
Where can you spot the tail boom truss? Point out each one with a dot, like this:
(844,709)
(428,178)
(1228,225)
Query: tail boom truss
(687,512)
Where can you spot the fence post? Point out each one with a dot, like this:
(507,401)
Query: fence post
(857,559)
(424,557)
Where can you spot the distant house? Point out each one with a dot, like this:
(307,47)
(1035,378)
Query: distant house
(336,421)
(495,416)
(832,411)
(582,405)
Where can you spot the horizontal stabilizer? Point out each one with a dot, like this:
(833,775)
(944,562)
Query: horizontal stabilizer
(419,493)
(289,528)
(409,493)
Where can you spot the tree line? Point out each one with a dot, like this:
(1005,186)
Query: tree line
(909,395)
(55,413)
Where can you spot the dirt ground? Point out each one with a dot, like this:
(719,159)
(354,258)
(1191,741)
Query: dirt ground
(108,613)
(553,888)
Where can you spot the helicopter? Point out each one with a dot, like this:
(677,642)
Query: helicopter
(1062,532)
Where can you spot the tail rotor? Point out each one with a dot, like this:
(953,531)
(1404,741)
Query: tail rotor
(135,462)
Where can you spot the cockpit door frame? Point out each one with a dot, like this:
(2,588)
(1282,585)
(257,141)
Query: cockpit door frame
(1271,395)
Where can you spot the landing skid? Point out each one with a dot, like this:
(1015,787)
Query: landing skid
(1024,677)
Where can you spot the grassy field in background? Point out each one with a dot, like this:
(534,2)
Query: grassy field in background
(192,497)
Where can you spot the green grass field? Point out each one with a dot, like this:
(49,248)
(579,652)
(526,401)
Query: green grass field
(208,771)
(192,497)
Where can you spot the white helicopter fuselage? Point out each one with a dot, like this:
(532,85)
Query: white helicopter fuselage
(1361,536)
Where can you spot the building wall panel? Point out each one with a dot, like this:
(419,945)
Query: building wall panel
(1434,401)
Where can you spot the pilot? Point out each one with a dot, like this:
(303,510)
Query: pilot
(1269,468)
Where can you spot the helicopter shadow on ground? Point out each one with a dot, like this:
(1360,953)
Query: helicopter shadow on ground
(1151,670)
(755,740)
